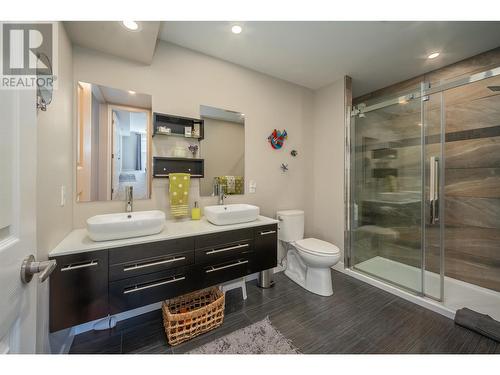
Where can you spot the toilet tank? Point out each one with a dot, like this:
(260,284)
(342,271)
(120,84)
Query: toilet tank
(291,226)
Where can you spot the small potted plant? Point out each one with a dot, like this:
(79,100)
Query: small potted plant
(193,149)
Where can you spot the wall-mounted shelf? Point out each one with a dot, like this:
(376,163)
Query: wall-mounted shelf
(176,124)
(163,166)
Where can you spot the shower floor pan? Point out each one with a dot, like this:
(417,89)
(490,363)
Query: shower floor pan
(457,294)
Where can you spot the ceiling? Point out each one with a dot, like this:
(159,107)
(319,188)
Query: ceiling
(221,114)
(310,54)
(111,37)
(314,54)
(125,98)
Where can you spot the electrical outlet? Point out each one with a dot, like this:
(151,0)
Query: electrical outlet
(62,203)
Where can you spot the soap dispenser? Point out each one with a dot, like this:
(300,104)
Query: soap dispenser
(195,212)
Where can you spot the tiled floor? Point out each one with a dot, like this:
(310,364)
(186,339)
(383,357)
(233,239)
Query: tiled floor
(358,318)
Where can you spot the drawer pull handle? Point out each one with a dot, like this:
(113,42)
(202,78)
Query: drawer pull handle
(268,232)
(136,288)
(213,269)
(71,267)
(226,249)
(152,264)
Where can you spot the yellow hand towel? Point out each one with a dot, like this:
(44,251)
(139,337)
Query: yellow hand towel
(179,193)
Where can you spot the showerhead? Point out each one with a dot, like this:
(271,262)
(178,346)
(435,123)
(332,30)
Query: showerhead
(494,88)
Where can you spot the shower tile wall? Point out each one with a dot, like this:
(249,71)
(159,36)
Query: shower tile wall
(472,175)
(472,184)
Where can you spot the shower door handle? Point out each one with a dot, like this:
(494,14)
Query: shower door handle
(434,190)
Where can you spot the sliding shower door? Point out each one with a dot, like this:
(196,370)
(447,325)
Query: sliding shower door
(472,189)
(424,191)
(433,185)
(386,191)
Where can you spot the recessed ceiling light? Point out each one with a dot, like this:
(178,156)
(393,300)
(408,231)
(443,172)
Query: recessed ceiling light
(131,25)
(236,29)
(131,92)
(433,55)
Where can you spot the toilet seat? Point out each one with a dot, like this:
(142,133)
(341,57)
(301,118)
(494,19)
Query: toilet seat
(317,247)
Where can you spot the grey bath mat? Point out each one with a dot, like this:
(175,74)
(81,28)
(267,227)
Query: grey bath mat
(482,324)
(258,338)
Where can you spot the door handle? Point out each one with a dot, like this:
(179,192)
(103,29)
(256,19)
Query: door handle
(434,190)
(30,267)
(268,232)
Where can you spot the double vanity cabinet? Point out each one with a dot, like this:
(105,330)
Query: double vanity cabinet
(96,279)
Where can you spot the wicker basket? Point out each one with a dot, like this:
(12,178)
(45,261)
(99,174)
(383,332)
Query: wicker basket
(192,314)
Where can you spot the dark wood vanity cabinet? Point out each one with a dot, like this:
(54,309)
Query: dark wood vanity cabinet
(78,289)
(90,285)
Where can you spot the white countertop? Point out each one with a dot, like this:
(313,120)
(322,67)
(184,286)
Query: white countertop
(78,241)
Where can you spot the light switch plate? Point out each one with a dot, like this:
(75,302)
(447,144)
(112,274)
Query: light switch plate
(252,186)
(62,203)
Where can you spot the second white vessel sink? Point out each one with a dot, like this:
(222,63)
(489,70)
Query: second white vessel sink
(231,213)
(125,225)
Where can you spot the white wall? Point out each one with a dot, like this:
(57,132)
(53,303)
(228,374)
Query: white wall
(327,198)
(180,80)
(55,168)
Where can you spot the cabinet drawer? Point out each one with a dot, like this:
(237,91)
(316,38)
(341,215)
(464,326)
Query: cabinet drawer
(146,289)
(214,274)
(221,253)
(266,247)
(223,238)
(78,289)
(150,265)
(139,252)
(266,231)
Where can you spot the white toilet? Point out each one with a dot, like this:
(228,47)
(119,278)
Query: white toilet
(309,260)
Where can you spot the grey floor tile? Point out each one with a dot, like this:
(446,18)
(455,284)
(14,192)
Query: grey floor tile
(107,345)
(358,318)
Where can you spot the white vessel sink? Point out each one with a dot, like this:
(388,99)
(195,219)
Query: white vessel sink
(231,213)
(125,225)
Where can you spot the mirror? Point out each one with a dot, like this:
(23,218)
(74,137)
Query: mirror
(223,149)
(113,143)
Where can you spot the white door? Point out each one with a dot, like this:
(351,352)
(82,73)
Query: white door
(17,219)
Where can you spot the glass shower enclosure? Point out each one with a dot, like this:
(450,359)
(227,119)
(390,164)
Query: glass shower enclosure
(424,191)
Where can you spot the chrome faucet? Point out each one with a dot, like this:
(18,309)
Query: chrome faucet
(129,198)
(219,192)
